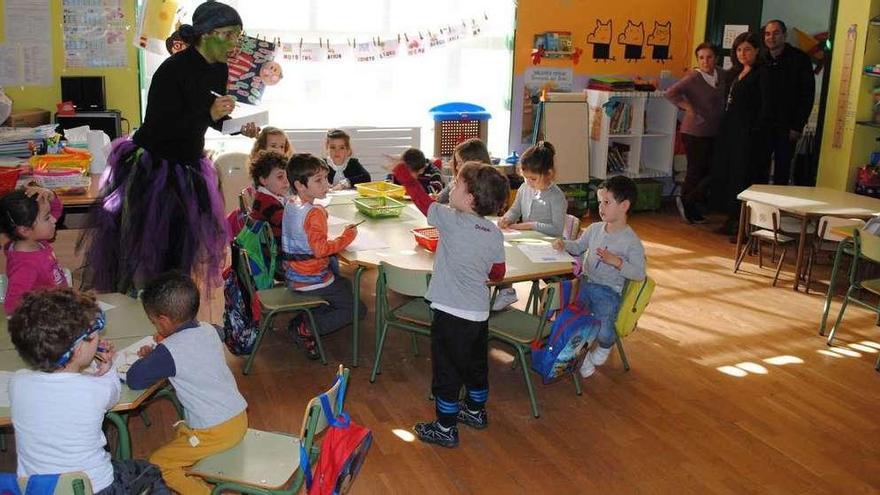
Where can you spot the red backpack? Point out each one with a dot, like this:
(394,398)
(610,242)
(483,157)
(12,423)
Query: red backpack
(342,454)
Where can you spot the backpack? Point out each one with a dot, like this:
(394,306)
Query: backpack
(38,484)
(343,451)
(258,242)
(633,302)
(240,327)
(571,329)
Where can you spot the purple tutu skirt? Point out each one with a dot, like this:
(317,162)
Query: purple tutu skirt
(153,215)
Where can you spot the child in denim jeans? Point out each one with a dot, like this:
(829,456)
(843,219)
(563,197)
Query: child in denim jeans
(615,255)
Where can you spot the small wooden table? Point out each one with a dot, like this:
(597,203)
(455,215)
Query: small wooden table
(805,203)
(126,324)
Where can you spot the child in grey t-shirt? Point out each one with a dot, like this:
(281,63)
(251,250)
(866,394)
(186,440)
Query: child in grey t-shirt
(616,255)
(470,251)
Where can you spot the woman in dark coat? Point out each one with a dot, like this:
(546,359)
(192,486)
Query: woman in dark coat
(738,163)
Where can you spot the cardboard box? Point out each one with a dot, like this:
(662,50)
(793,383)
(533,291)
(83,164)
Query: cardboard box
(31,117)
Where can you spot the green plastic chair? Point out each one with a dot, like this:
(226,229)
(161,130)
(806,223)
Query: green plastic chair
(519,329)
(73,483)
(867,247)
(413,316)
(267,463)
(633,300)
(275,301)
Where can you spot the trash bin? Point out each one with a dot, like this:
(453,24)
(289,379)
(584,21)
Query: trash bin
(456,122)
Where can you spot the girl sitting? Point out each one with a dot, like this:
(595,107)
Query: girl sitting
(27,217)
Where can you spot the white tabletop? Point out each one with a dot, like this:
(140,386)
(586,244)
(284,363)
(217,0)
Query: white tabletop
(812,201)
(403,251)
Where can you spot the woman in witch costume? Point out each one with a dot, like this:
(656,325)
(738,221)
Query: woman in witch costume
(160,205)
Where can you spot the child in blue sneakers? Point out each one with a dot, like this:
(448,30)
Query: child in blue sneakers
(470,252)
(615,255)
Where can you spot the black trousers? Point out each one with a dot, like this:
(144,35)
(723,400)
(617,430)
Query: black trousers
(699,164)
(460,357)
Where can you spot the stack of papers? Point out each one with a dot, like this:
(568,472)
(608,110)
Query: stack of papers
(126,357)
(15,141)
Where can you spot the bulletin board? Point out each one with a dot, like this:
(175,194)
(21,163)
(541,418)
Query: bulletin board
(560,44)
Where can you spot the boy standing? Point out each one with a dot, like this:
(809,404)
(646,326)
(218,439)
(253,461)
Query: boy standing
(309,256)
(471,250)
(616,255)
(191,358)
(58,406)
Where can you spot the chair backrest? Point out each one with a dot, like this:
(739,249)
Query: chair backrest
(763,216)
(413,283)
(234,176)
(828,223)
(633,301)
(572,228)
(244,272)
(314,421)
(74,483)
(867,246)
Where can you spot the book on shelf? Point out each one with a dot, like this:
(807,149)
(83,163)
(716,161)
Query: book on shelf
(618,157)
(620,116)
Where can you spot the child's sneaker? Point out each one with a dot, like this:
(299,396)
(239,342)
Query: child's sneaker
(474,419)
(434,432)
(504,298)
(596,357)
(303,336)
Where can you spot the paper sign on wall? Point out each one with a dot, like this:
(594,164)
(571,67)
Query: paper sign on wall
(731,31)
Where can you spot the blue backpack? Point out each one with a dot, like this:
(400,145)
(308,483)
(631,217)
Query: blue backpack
(240,328)
(571,329)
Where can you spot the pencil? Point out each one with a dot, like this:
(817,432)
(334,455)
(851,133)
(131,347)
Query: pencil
(218,95)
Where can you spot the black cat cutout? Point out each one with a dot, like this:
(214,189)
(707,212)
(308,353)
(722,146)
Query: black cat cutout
(600,38)
(632,38)
(659,40)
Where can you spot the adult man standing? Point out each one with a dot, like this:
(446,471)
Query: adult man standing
(791,88)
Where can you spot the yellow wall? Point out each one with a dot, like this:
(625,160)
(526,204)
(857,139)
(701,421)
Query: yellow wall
(701,10)
(121,83)
(837,165)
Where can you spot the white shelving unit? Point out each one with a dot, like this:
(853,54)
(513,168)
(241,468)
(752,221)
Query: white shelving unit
(647,135)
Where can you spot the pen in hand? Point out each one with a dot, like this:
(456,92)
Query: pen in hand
(352,225)
(600,258)
(218,95)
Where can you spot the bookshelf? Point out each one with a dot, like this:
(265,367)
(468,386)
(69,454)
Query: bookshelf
(631,133)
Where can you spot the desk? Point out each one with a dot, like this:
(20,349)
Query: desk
(80,203)
(126,324)
(805,203)
(405,253)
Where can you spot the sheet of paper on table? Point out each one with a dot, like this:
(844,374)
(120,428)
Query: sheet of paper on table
(124,358)
(105,306)
(544,253)
(366,241)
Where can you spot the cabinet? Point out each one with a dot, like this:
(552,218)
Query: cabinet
(631,133)
(564,124)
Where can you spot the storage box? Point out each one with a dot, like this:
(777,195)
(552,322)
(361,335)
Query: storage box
(28,118)
(427,237)
(649,193)
(382,207)
(380,189)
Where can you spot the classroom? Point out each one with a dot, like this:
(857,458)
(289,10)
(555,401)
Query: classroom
(462,247)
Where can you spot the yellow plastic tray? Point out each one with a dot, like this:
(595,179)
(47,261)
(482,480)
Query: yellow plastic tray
(380,189)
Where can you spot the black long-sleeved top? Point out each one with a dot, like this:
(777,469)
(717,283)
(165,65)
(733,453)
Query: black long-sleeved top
(792,86)
(179,106)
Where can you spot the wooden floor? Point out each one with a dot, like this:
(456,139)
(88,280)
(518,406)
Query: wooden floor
(731,391)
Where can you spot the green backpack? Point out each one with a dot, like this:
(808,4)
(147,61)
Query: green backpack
(258,242)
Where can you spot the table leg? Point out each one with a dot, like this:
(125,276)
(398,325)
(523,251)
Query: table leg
(827,307)
(800,253)
(739,230)
(355,322)
(120,421)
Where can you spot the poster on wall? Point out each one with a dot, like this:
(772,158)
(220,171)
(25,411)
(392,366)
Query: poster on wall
(155,23)
(26,53)
(94,33)
(252,69)
(538,79)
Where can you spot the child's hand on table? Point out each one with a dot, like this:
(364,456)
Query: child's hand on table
(503,223)
(522,226)
(609,258)
(104,356)
(558,244)
(145,351)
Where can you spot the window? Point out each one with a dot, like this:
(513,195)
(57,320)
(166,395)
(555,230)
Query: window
(397,91)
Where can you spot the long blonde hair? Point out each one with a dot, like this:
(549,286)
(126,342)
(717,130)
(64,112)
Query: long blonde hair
(263,138)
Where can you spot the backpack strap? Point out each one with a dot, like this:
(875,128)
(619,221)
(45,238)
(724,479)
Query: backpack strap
(305,465)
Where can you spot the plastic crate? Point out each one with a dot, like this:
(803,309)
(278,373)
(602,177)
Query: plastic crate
(649,194)
(427,237)
(456,122)
(380,189)
(380,207)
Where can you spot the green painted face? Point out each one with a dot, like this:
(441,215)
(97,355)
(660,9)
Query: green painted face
(217,44)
